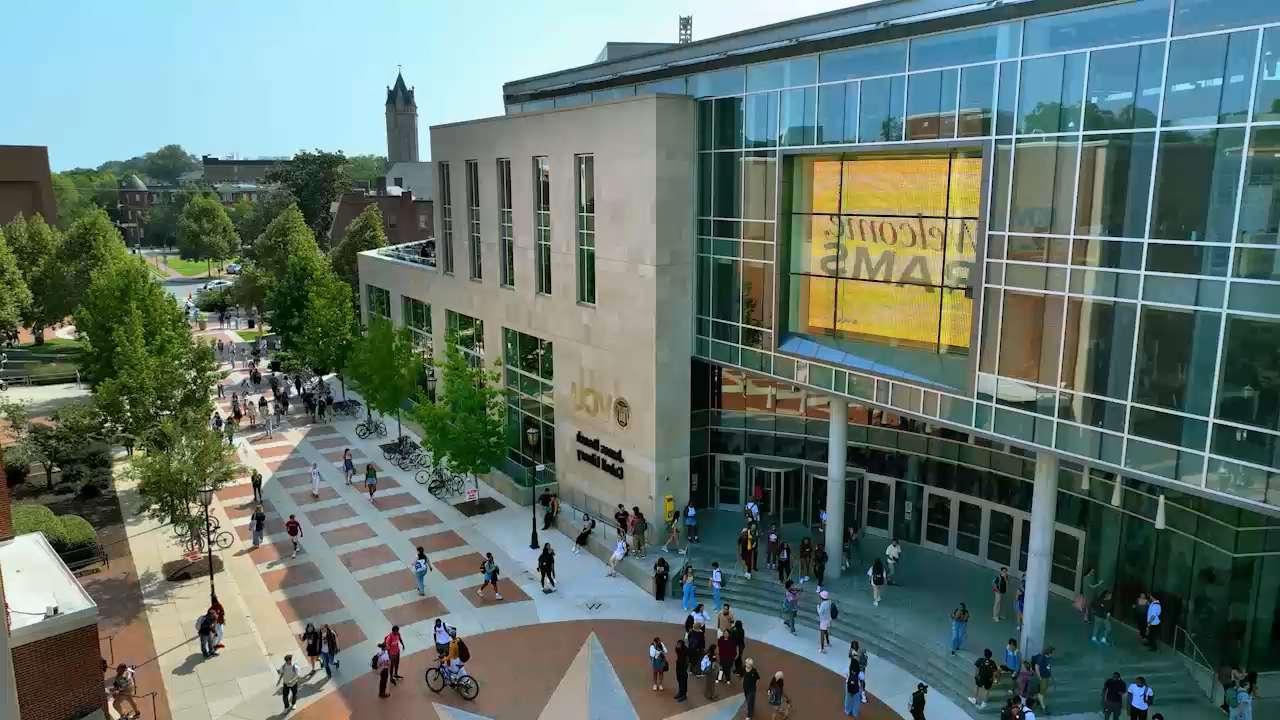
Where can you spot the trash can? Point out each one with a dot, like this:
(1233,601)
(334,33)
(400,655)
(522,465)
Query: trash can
(252,323)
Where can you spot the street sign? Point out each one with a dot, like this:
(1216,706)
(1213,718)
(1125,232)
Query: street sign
(473,494)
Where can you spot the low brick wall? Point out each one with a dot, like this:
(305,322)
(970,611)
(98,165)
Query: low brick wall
(60,677)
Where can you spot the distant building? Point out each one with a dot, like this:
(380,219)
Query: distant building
(416,177)
(405,218)
(137,199)
(402,123)
(219,170)
(25,183)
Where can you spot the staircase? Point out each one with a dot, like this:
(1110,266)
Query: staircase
(1077,682)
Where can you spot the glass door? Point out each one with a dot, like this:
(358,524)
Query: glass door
(792,496)
(938,520)
(1068,543)
(968,538)
(1001,532)
(729,476)
(764,490)
(877,519)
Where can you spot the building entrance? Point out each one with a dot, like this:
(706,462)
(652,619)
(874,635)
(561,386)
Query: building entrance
(976,530)
(782,493)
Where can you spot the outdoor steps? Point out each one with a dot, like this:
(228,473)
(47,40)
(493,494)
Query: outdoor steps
(1077,684)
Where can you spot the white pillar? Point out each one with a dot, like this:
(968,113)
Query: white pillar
(837,449)
(1044,509)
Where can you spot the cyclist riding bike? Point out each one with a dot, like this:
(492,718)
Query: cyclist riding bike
(452,664)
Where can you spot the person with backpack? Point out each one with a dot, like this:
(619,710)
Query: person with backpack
(1153,622)
(489,569)
(329,650)
(547,567)
(1240,702)
(123,689)
(1140,698)
(999,586)
(825,608)
(294,529)
(983,679)
(421,566)
(855,690)
(1012,659)
(1043,665)
(206,628)
(1113,691)
(820,558)
(777,697)
(717,583)
(381,665)
(876,575)
(856,653)
(658,662)
(255,481)
(790,605)
(916,705)
(288,678)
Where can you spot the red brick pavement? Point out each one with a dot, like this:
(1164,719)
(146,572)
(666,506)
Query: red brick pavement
(395,501)
(330,514)
(291,576)
(304,497)
(387,584)
(423,608)
(436,542)
(367,557)
(510,593)
(333,441)
(303,606)
(415,520)
(350,534)
(461,566)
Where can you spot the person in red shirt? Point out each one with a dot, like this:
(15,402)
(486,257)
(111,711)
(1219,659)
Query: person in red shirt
(395,644)
(294,528)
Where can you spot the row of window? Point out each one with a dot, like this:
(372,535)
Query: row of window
(584,189)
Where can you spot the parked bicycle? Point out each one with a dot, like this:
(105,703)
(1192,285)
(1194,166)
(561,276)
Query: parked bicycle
(440,482)
(348,408)
(369,426)
(405,453)
(467,686)
(221,539)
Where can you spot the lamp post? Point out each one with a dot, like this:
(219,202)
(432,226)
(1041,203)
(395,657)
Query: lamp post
(532,435)
(206,499)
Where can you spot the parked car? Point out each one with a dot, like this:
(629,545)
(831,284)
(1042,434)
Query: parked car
(233,268)
(215,285)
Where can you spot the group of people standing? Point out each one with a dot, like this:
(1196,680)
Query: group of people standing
(722,662)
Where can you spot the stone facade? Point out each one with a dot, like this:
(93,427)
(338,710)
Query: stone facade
(25,184)
(402,123)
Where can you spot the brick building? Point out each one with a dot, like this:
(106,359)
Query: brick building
(221,170)
(405,218)
(25,183)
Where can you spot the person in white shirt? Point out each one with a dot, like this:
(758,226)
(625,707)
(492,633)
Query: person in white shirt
(287,677)
(315,480)
(619,552)
(717,582)
(891,556)
(753,511)
(1140,697)
(1153,622)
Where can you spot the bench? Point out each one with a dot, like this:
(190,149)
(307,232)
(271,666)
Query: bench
(86,560)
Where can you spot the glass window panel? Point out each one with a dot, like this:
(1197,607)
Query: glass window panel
(567,101)
(810,299)
(1000,185)
(931,105)
(730,81)
(1043,183)
(1037,249)
(1260,205)
(1111,25)
(706,125)
(728,123)
(991,42)
(822,194)
(725,286)
(674,86)
(760,113)
(704,285)
(860,62)
(1177,465)
(1106,253)
(834,117)
(1257,263)
(1193,16)
(614,93)
(759,170)
(977,89)
(1124,88)
(990,325)
(1175,359)
(881,110)
(782,74)
(1249,382)
(1197,173)
(757,294)
(1187,259)
(1114,179)
(1098,343)
(1091,411)
(1252,446)
(796,116)
(1104,284)
(706,181)
(1208,79)
(728,184)
(1167,428)
(1267,96)
(1255,297)
(1006,111)
(1030,332)
(1183,291)
(1050,95)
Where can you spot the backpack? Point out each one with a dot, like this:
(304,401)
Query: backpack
(775,696)
(204,625)
(374,663)
(463,653)
(835,611)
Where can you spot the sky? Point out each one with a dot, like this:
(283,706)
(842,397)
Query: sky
(98,81)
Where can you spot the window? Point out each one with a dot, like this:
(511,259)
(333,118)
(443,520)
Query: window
(1267,98)
(379,302)
(529,377)
(991,42)
(1249,383)
(1175,359)
(585,174)
(473,219)
(782,74)
(1043,182)
(542,224)
(881,117)
(977,90)
(1260,205)
(506,241)
(1193,16)
(1052,90)
(398,182)
(1099,340)
(860,62)
(1208,79)
(468,332)
(1124,88)
(931,105)
(1197,172)
(416,315)
(1114,178)
(1110,25)
(796,116)
(838,113)
(446,219)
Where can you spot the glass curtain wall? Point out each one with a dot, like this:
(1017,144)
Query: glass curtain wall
(529,377)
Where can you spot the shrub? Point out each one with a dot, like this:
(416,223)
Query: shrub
(91,463)
(16,473)
(215,300)
(76,533)
(65,533)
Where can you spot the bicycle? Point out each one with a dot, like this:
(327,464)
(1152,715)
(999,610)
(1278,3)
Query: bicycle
(467,686)
(221,539)
(369,427)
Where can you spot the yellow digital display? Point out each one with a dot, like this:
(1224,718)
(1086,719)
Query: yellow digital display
(887,247)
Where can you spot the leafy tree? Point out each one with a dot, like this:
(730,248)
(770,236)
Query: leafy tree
(287,298)
(205,232)
(160,229)
(365,232)
(185,455)
(169,163)
(71,204)
(316,179)
(15,298)
(367,168)
(262,212)
(66,444)
(384,366)
(286,237)
(465,425)
(328,327)
(240,213)
(35,245)
(91,243)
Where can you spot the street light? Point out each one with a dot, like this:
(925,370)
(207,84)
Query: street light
(206,499)
(532,435)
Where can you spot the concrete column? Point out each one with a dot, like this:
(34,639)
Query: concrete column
(837,449)
(1044,509)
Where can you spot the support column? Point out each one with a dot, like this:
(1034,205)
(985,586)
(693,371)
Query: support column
(837,449)
(1044,510)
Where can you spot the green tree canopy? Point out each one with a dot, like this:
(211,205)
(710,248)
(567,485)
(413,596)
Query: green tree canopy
(384,366)
(59,444)
(287,298)
(316,179)
(365,232)
(169,163)
(185,455)
(367,168)
(262,212)
(328,326)
(205,232)
(35,245)
(286,236)
(464,427)
(91,243)
(15,298)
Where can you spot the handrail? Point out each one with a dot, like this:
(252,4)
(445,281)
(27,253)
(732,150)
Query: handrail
(1196,655)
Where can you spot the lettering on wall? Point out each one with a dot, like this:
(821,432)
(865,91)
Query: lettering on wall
(595,453)
(593,402)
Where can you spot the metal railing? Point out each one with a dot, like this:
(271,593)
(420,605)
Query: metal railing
(1185,645)
(421,252)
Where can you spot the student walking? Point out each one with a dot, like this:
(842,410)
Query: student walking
(219,622)
(820,558)
(658,662)
(205,628)
(489,569)
(687,588)
(1140,697)
(1101,611)
(1043,666)
(421,566)
(826,612)
(784,563)
(876,575)
(328,650)
(806,559)
(294,529)
(717,583)
(750,681)
(661,577)
(311,642)
(370,480)
(288,677)
(855,690)
(773,545)
(1240,702)
(892,555)
(258,524)
(395,646)
(315,480)
(255,481)
(123,689)
(790,605)
(1012,659)
(777,697)
(1113,692)
(984,676)
(1153,622)
(916,705)
(382,666)
(710,669)
(691,523)
(682,671)
(999,586)
(547,567)
(959,627)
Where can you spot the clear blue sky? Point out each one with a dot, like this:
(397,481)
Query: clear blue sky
(98,81)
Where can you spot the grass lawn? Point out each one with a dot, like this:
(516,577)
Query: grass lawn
(188,268)
(249,335)
(55,357)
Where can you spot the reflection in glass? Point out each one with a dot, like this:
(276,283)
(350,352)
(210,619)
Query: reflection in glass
(1124,88)
(1266,104)
(1260,204)
(782,74)
(860,62)
(1006,111)
(1194,16)
(931,105)
(728,123)
(1208,79)
(728,184)
(1051,93)
(757,294)
(1110,25)
(1030,332)
(730,81)
(838,113)
(1249,382)
(1043,183)
(1168,428)
(881,116)
(1115,176)
(796,116)
(759,170)
(725,295)
(1197,172)
(999,212)
(961,47)
(1099,340)
(977,86)
(1175,358)
(760,114)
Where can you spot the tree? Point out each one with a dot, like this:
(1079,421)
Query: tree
(384,366)
(15,298)
(160,228)
(316,180)
(365,232)
(205,232)
(366,168)
(184,455)
(169,163)
(91,243)
(328,327)
(287,236)
(66,443)
(287,299)
(35,245)
(71,204)
(465,425)
(262,212)
(240,213)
